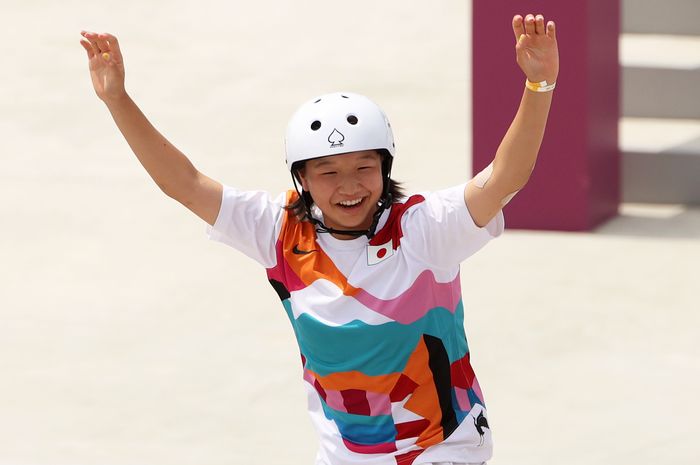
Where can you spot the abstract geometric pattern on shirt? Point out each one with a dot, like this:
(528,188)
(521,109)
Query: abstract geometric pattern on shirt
(394,383)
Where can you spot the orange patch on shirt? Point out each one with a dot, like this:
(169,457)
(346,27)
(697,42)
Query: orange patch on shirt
(309,266)
(357,380)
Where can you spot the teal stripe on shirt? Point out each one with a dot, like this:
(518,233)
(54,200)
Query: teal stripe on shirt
(374,349)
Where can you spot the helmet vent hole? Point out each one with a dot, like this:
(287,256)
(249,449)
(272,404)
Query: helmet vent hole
(352,119)
(316,125)
(317,101)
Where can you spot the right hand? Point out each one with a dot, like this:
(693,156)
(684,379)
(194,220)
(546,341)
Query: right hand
(106,65)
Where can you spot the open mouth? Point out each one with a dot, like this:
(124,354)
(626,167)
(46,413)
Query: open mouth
(351,204)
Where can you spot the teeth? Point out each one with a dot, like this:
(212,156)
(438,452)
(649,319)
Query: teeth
(350,203)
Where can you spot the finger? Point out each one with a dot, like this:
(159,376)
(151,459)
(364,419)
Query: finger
(518,27)
(551,30)
(113,44)
(88,48)
(539,25)
(530,25)
(99,43)
(102,43)
(92,38)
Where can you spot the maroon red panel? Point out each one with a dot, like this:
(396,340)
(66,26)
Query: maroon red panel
(576,182)
(355,401)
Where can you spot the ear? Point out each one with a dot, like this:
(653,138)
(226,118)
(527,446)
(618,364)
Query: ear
(301,175)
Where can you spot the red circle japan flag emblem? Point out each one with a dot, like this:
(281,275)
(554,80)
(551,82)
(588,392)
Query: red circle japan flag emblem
(379,253)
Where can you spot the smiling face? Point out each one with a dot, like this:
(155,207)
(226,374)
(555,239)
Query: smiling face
(345,187)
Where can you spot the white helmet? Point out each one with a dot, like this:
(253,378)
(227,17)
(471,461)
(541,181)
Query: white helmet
(337,123)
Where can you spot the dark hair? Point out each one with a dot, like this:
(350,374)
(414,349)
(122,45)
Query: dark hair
(298,207)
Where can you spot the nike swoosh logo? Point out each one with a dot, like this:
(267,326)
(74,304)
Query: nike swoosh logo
(301,252)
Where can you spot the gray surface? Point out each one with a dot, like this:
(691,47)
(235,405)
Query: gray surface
(669,17)
(660,160)
(127,338)
(662,177)
(661,93)
(660,76)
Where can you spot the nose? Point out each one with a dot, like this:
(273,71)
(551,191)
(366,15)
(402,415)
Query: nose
(349,185)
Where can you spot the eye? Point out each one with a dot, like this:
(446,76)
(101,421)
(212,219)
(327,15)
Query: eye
(328,173)
(316,125)
(352,119)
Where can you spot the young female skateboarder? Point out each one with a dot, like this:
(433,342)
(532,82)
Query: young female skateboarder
(369,278)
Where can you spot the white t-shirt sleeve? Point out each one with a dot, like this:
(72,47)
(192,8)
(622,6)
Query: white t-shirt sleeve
(250,222)
(441,230)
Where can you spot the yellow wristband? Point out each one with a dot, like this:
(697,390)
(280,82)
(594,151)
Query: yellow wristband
(542,86)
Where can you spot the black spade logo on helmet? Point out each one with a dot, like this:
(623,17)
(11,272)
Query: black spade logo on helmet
(336,138)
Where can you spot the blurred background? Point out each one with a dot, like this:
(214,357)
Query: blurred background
(660,128)
(126,337)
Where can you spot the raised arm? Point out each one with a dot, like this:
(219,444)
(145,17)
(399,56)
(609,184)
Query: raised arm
(538,57)
(170,169)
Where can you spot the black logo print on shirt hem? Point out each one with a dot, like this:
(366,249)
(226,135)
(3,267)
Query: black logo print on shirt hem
(480,422)
(297,251)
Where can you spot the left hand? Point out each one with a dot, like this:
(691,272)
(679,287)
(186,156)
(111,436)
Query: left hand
(536,48)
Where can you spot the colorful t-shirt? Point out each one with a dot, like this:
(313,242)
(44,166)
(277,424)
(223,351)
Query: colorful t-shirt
(379,324)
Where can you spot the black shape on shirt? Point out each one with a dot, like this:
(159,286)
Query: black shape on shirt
(279,288)
(439,364)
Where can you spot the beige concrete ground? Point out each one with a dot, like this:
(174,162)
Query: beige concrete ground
(127,338)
